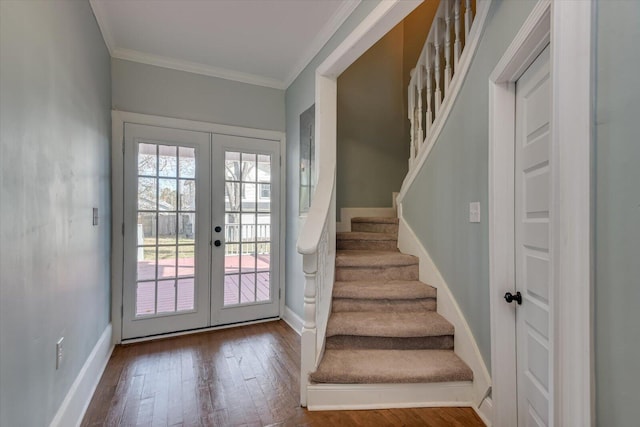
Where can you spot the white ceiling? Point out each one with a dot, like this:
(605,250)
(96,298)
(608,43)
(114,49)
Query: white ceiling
(264,42)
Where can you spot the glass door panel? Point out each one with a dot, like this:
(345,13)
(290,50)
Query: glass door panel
(168,279)
(251,172)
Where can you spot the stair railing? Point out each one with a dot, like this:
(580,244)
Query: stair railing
(437,69)
(317,244)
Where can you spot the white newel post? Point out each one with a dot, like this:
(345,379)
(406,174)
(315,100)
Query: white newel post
(309,330)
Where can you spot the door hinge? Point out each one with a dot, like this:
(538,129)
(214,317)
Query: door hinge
(123,228)
(123,147)
(279,293)
(122,311)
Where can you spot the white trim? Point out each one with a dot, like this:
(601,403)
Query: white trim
(571,397)
(196,68)
(464,343)
(293,320)
(324,35)
(485,411)
(325,397)
(118,119)
(454,89)
(198,331)
(347,213)
(571,142)
(75,404)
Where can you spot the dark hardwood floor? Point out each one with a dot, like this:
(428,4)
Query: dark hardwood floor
(246,376)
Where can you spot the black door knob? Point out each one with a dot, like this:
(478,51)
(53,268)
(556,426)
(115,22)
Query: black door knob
(509,297)
(218,229)
(217,243)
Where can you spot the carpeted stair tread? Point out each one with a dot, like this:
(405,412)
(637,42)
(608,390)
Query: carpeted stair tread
(395,289)
(375,220)
(390,366)
(364,235)
(373,259)
(389,324)
(383,305)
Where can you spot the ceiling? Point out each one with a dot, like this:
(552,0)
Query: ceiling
(263,42)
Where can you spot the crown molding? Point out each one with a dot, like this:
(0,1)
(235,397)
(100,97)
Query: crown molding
(344,11)
(196,68)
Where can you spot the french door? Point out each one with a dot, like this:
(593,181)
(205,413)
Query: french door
(201,235)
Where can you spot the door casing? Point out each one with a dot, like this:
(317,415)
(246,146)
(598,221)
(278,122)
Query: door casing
(566,26)
(118,120)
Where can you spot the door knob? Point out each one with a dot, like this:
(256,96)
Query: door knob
(218,229)
(509,297)
(217,243)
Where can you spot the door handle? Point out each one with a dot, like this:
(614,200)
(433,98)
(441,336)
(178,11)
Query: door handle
(509,297)
(217,243)
(218,229)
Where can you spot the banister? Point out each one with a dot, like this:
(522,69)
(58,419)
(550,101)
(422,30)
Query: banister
(321,202)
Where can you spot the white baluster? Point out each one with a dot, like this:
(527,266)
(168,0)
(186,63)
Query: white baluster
(411,115)
(420,136)
(447,46)
(429,76)
(468,19)
(457,45)
(438,70)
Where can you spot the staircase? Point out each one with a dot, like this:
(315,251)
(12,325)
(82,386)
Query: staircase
(383,326)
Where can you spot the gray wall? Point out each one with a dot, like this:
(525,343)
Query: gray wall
(147,89)
(456,173)
(617,287)
(372,145)
(54,267)
(300,95)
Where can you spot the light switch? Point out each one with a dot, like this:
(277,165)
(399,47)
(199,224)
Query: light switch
(474,212)
(95,216)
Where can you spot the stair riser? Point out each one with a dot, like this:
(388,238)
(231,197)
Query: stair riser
(383,306)
(347,342)
(371,227)
(367,245)
(405,272)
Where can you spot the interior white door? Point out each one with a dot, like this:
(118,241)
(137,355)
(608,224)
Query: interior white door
(533,235)
(246,229)
(166,230)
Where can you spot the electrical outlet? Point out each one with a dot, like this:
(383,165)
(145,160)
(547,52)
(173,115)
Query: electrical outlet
(474,212)
(59,352)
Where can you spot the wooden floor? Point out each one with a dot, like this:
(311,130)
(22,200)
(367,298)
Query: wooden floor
(233,377)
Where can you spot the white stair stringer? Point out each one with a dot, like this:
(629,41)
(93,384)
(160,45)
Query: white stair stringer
(323,397)
(464,343)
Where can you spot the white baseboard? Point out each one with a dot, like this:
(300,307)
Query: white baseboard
(485,412)
(464,343)
(324,397)
(347,213)
(77,400)
(292,319)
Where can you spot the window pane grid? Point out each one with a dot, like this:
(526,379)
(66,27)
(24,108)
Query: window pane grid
(247,227)
(166,217)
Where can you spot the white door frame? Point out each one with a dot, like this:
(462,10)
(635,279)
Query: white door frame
(566,25)
(118,119)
